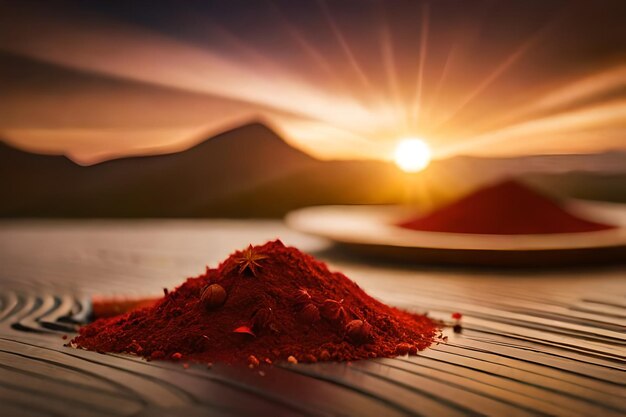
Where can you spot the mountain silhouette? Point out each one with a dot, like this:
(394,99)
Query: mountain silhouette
(246,171)
(250,171)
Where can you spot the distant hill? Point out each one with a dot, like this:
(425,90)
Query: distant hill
(246,171)
(583,185)
(600,176)
(250,171)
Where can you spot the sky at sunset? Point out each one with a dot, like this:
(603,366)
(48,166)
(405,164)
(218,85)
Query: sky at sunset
(337,79)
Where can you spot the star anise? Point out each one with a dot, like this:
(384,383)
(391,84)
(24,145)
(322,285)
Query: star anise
(249,260)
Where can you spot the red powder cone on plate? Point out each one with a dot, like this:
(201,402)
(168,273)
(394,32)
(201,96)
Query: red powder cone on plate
(506,208)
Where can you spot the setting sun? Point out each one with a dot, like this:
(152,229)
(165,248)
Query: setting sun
(412,155)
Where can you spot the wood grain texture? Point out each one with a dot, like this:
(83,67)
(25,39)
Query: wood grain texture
(548,342)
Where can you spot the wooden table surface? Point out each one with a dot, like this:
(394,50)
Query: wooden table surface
(548,342)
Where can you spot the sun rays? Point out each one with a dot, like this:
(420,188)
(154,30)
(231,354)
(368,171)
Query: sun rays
(396,73)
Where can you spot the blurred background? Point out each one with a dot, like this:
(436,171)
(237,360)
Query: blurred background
(252,109)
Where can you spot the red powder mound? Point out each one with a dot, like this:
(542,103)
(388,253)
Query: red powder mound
(508,208)
(263,304)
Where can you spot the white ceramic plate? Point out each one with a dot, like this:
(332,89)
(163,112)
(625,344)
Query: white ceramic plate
(372,230)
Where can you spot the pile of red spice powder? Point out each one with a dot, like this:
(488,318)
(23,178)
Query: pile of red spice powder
(508,208)
(264,304)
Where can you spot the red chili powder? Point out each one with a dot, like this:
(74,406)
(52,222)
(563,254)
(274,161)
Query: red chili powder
(263,304)
(508,208)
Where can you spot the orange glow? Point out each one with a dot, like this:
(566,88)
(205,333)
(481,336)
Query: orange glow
(348,96)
